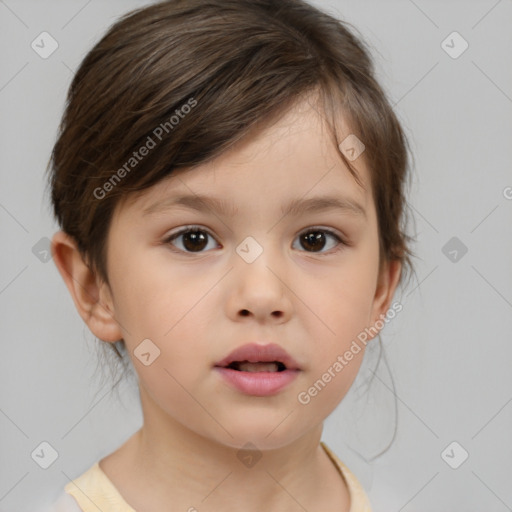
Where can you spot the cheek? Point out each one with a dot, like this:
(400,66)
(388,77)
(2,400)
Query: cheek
(342,303)
(165,385)
(151,294)
(168,316)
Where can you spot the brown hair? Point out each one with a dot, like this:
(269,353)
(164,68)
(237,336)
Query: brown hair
(202,74)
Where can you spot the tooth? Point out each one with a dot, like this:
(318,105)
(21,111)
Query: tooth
(258,367)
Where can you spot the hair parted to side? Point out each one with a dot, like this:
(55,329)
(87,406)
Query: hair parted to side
(234,64)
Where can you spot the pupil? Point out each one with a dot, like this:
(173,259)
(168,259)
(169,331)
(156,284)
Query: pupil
(196,238)
(312,237)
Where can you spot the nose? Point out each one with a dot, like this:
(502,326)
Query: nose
(259,289)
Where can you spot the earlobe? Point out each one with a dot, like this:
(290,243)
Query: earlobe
(90,294)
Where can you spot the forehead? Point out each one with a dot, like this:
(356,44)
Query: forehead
(284,163)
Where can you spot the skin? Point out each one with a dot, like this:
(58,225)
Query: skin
(198,306)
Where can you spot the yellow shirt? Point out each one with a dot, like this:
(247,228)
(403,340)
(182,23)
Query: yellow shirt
(94,491)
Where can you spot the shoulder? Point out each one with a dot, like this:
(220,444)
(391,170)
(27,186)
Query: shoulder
(93,491)
(358,497)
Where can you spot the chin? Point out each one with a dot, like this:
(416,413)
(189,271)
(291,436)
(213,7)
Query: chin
(266,437)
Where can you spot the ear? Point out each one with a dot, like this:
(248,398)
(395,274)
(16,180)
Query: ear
(91,295)
(387,282)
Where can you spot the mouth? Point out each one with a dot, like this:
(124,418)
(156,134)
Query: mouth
(246,366)
(258,370)
(256,358)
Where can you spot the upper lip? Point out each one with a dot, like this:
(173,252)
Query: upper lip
(256,353)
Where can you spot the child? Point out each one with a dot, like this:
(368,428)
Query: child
(229,182)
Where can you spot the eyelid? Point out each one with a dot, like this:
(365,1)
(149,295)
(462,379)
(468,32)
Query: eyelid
(332,231)
(184,229)
(189,227)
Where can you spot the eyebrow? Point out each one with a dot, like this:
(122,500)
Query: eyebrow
(204,203)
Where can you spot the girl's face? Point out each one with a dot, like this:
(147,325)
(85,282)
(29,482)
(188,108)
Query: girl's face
(247,274)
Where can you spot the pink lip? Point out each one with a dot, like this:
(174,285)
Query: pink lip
(255,353)
(259,383)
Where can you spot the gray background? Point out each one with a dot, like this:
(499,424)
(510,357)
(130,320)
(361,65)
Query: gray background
(449,350)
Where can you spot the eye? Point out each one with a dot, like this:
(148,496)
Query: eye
(315,239)
(194,238)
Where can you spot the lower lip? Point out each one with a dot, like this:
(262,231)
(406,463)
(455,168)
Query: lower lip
(258,383)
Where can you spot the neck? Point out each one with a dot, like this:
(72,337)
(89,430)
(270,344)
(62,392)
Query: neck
(172,464)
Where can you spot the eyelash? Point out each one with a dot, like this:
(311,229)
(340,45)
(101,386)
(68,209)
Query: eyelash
(192,229)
